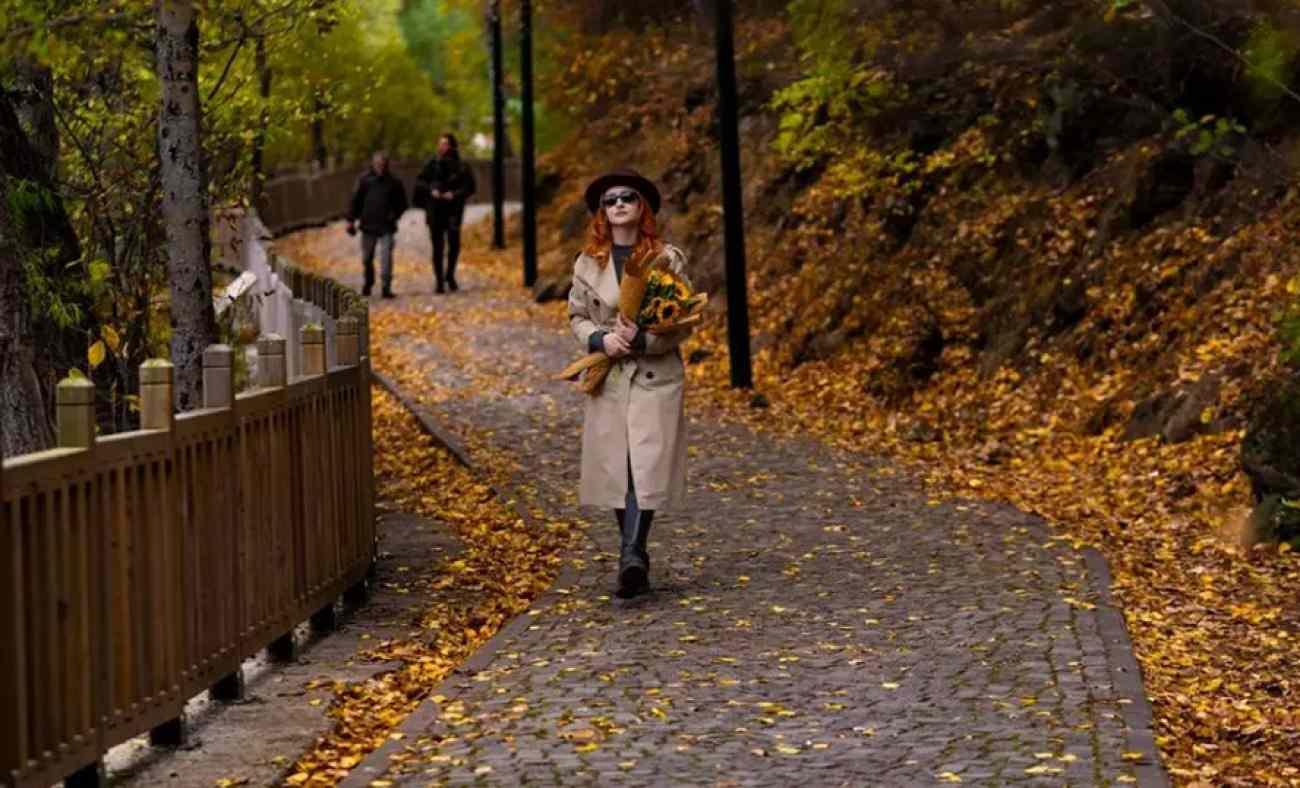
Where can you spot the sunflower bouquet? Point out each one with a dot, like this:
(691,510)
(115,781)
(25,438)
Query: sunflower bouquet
(668,302)
(657,300)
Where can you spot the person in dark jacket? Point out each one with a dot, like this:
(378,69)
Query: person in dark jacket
(377,203)
(443,186)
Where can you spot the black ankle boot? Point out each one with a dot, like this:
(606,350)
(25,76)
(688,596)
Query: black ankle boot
(639,543)
(633,561)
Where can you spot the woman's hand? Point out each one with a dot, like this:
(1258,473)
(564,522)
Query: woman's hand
(626,329)
(616,346)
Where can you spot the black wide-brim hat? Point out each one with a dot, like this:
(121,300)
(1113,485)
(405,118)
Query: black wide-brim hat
(622,177)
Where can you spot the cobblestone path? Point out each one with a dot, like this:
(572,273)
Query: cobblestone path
(815,617)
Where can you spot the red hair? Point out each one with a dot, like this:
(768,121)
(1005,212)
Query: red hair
(600,240)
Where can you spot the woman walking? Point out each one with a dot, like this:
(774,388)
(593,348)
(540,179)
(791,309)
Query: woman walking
(633,435)
(442,187)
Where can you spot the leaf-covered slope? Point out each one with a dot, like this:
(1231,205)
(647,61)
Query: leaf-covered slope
(1041,253)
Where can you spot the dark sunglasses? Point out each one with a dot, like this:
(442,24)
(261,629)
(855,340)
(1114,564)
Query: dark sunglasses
(629,198)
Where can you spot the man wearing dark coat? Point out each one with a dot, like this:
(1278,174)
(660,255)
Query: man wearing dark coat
(378,203)
(443,186)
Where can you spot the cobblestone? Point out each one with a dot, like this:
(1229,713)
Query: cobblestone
(815,617)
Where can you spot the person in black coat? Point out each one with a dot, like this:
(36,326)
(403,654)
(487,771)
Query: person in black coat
(443,186)
(378,201)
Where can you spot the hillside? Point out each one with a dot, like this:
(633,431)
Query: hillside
(1042,256)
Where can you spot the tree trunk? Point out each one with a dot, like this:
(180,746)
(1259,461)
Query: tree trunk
(25,424)
(259,135)
(184,197)
(24,404)
(34,230)
(318,150)
(35,110)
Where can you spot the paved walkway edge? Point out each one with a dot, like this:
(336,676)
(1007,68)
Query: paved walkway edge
(428,422)
(1126,676)
(376,764)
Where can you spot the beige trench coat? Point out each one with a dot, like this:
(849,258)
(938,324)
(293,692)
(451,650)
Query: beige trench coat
(639,411)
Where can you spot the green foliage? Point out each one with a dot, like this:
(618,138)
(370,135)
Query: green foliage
(1209,135)
(817,110)
(446,41)
(838,89)
(824,116)
(1288,523)
(1278,521)
(27,199)
(1289,325)
(823,33)
(1270,54)
(51,298)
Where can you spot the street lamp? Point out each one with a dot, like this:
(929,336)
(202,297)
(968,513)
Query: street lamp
(529,175)
(733,206)
(498,131)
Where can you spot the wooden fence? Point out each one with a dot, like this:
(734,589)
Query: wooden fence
(138,570)
(296,200)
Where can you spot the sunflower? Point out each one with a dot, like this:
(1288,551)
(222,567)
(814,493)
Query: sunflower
(667,311)
(650,310)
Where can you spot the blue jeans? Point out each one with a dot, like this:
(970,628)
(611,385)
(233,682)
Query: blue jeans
(385,242)
(631,513)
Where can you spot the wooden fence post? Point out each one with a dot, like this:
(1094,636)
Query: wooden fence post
(271,363)
(270,360)
(348,338)
(13,687)
(156,411)
(313,349)
(75,410)
(313,363)
(218,392)
(363,331)
(218,385)
(349,355)
(75,398)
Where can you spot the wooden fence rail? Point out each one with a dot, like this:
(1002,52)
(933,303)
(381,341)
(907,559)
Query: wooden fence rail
(295,200)
(138,570)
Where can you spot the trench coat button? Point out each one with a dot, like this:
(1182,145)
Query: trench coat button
(649,375)
(596,301)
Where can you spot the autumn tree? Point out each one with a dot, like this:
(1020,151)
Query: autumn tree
(36,240)
(136,113)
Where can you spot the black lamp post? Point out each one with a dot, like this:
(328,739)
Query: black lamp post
(498,131)
(529,175)
(733,207)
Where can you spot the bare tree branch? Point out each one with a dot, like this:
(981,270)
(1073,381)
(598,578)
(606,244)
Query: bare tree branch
(132,17)
(226,71)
